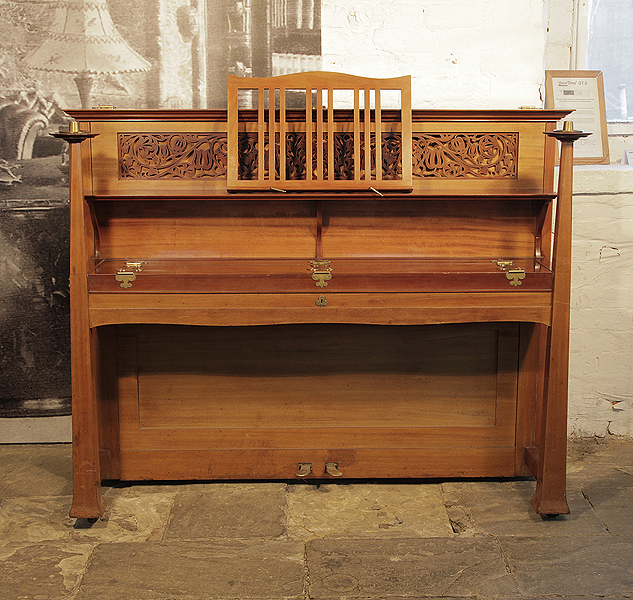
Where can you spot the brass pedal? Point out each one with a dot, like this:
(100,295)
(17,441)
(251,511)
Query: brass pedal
(332,470)
(304,470)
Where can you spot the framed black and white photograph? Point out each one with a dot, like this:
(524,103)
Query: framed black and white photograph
(128,54)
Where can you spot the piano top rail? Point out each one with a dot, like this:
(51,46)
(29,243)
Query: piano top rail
(417,115)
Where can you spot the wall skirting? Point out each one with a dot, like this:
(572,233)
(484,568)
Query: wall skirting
(36,430)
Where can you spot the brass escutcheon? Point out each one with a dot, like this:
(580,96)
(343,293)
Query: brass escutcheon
(125,277)
(515,276)
(321,301)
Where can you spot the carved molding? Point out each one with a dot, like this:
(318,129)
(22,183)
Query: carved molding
(469,155)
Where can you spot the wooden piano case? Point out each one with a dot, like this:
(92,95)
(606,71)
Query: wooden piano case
(392,330)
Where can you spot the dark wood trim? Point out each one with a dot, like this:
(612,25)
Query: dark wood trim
(248,115)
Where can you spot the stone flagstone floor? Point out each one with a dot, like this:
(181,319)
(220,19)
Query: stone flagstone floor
(360,540)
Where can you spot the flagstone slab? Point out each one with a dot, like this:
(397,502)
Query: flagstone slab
(571,566)
(229,511)
(40,519)
(367,510)
(50,571)
(226,570)
(407,568)
(611,496)
(35,470)
(503,509)
(590,458)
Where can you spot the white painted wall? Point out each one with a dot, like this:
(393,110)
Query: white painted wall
(601,361)
(460,53)
(601,355)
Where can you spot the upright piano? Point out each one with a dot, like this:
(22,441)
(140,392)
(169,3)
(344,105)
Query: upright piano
(269,292)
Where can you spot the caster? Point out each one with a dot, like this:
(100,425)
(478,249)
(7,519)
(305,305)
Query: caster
(82,523)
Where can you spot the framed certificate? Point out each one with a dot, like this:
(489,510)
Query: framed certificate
(582,92)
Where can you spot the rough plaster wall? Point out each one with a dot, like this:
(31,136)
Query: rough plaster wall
(601,357)
(175,58)
(601,339)
(460,53)
(560,34)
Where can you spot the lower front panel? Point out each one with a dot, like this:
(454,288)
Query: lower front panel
(357,463)
(254,402)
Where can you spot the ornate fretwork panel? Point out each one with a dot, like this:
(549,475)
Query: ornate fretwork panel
(199,155)
(391,155)
(456,155)
(343,156)
(172,155)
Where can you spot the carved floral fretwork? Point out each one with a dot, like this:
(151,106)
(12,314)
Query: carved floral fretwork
(296,156)
(172,155)
(456,155)
(200,155)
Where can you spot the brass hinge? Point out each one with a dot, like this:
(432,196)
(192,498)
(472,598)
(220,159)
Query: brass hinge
(513,275)
(135,265)
(503,264)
